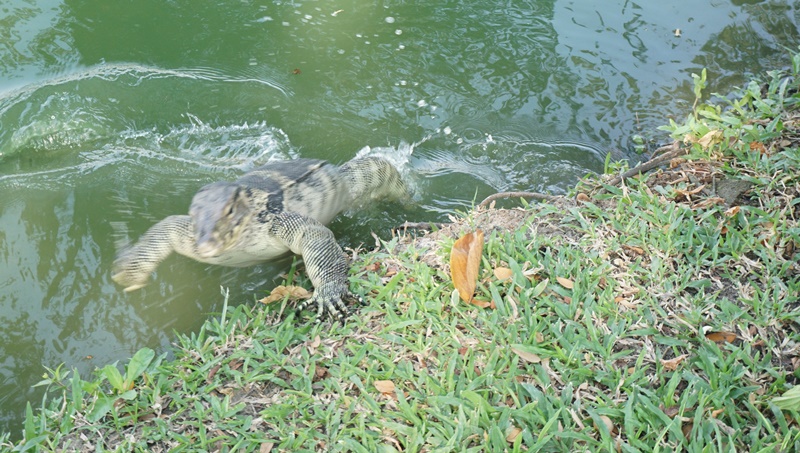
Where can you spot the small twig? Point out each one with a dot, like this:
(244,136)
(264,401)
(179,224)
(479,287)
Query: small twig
(669,152)
(534,195)
(419,226)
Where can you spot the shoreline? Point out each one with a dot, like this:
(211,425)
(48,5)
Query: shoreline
(659,311)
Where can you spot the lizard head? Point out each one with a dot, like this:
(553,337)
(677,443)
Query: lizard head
(219,212)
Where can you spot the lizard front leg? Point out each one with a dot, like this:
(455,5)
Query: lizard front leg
(324,259)
(134,264)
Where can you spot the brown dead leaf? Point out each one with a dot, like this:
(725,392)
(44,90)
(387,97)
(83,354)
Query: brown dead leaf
(266,447)
(681,193)
(686,428)
(608,424)
(671,411)
(212,372)
(293,292)
(672,364)
(385,387)
(758,147)
(634,249)
(313,345)
(391,271)
(732,211)
(676,162)
(565,282)
(526,356)
(465,260)
(503,273)
(320,373)
(721,337)
(482,303)
(511,433)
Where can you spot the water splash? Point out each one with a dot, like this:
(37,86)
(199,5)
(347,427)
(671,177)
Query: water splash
(102,121)
(72,110)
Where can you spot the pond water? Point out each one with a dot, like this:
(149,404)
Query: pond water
(113,114)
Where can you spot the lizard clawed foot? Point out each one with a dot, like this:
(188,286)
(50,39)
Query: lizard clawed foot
(329,301)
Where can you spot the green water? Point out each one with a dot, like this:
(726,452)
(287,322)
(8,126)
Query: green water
(113,113)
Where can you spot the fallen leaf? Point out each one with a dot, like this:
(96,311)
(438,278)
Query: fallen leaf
(710,138)
(213,372)
(511,433)
(715,413)
(482,303)
(670,412)
(732,211)
(525,355)
(465,260)
(385,387)
(672,364)
(582,197)
(685,193)
(503,273)
(759,147)
(634,249)
(320,373)
(721,337)
(674,163)
(266,447)
(293,292)
(686,428)
(608,424)
(565,282)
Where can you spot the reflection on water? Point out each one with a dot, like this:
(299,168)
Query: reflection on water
(112,116)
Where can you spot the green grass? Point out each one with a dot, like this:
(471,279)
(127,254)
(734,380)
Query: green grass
(621,361)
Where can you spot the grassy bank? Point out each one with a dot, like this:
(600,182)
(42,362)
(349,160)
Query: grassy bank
(656,314)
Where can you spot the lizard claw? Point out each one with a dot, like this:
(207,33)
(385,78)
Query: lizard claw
(127,275)
(329,301)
